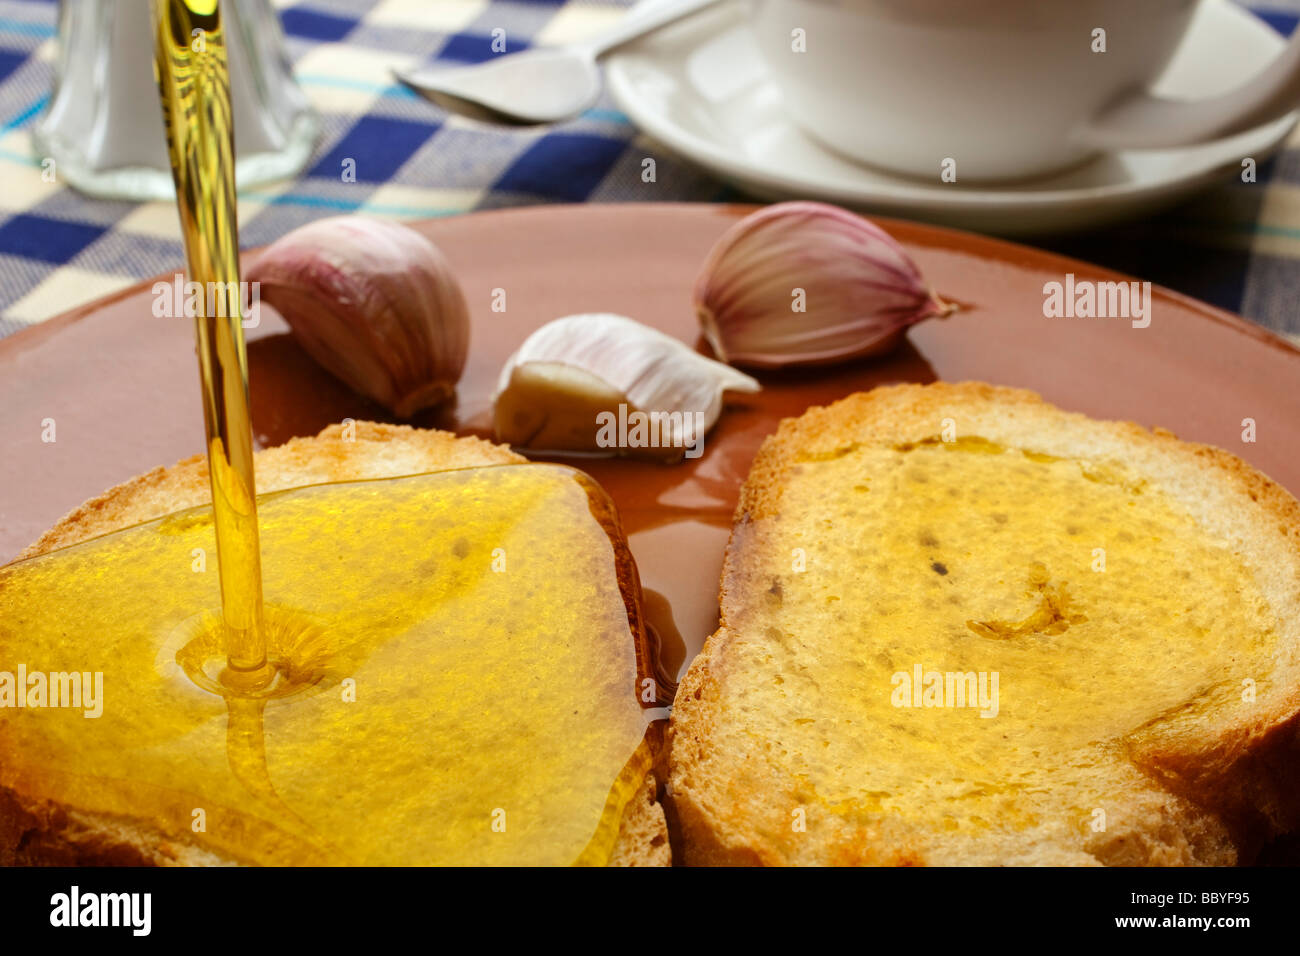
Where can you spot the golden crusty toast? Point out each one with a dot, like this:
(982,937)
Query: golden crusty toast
(962,626)
(45,833)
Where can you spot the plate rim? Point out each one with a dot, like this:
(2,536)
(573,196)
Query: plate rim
(917,231)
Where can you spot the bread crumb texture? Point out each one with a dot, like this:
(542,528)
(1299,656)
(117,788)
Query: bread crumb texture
(961,626)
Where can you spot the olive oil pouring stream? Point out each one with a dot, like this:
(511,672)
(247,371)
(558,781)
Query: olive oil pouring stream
(190,60)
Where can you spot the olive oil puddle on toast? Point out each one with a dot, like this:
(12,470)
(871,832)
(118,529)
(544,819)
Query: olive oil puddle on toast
(466,688)
(1105,609)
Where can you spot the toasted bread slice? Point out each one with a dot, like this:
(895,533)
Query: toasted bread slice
(43,832)
(961,626)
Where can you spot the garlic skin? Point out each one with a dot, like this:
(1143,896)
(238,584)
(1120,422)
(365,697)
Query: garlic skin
(573,373)
(860,289)
(375,303)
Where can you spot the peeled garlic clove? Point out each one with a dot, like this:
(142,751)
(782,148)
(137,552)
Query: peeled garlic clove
(375,303)
(562,390)
(804,283)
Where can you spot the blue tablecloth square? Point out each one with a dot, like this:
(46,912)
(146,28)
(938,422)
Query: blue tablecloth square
(305,22)
(379,145)
(475,48)
(47,240)
(10,60)
(1283,21)
(562,166)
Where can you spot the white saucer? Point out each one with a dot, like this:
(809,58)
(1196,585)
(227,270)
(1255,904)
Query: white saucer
(700,88)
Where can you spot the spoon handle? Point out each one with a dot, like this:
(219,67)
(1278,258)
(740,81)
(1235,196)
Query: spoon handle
(644,18)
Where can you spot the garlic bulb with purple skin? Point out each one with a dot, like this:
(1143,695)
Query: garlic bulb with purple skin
(804,283)
(375,303)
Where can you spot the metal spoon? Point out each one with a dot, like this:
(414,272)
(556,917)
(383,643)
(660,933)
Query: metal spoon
(545,85)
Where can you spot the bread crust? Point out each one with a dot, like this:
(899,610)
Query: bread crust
(339,453)
(48,834)
(1199,798)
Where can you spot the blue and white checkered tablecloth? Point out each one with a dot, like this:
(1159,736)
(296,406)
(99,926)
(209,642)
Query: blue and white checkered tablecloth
(1237,246)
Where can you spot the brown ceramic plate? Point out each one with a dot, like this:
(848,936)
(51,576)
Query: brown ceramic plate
(122,387)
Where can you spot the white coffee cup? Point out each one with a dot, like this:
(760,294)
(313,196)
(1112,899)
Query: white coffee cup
(997,89)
